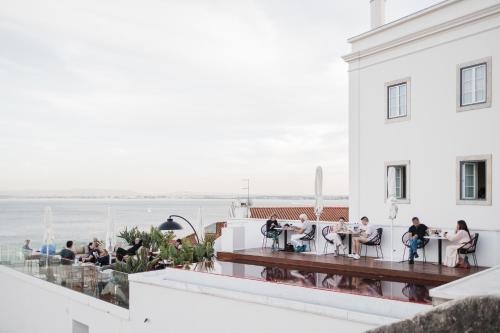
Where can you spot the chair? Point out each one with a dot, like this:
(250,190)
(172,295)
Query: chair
(376,241)
(324,232)
(406,242)
(309,237)
(268,235)
(470,248)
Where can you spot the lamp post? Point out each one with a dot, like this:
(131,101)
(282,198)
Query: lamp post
(170,225)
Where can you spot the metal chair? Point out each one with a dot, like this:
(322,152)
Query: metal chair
(309,237)
(274,235)
(376,242)
(325,231)
(470,248)
(405,239)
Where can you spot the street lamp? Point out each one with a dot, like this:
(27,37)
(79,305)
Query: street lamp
(170,225)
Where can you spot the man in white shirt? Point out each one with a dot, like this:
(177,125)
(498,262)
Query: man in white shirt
(300,232)
(369,233)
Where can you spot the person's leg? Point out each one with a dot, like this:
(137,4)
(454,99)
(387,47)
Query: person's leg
(295,240)
(413,248)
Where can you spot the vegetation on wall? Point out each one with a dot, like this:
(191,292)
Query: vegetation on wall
(154,241)
(151,240)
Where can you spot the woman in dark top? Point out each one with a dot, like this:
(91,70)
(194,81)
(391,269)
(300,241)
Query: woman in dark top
(418,232)
(133,250)
(271,226)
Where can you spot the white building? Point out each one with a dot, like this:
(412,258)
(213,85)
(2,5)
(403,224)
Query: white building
(424,97)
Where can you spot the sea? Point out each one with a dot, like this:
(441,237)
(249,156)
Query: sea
(82,219)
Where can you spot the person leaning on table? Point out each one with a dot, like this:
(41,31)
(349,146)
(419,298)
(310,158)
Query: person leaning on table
(457,240)
(333,236)
(271,226)
(369,233)
(418,231)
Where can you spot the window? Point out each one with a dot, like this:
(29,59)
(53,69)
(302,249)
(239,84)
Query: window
(401,180)
(474,85)
(398,100)
(474,180)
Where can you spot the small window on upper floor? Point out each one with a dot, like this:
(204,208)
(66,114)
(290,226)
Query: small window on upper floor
(474,85)
(398,100)
(474,180)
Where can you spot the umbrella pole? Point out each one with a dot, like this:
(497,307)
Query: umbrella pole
(316,237)
(392,239)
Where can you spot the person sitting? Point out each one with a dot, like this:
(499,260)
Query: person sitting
(333,236)
(271,226)
(369,232)
(67,253)
(418,231)
(458,239)
(48,249)
(178,244)
(300,232)
(91,254)
(27,247)
(137,245)
(103,257)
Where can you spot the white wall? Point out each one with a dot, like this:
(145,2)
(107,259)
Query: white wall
(435,135)
(32,305)
(173,300)
(242,233)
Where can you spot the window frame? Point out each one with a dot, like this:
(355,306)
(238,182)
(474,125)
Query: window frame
(388,85)
(405,187)
(488,79)
(460,185)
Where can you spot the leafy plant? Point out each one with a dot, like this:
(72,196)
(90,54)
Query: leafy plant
(130,235)
(187,253)
(151,240)
(138,263)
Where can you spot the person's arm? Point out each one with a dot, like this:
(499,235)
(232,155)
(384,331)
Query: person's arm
(453,237)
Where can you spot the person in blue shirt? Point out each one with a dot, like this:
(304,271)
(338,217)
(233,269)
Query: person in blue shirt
(51,249)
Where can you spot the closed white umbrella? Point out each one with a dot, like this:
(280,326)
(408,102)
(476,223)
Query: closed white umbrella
(110,233)
(318,204)
(199,223)
(48,235)
(392,207)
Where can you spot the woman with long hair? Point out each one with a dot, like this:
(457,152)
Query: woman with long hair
(457,240)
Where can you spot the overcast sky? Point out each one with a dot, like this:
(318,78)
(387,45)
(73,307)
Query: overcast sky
(168,96)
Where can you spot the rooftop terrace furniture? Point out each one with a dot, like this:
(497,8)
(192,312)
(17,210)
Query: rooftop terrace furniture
(273,234)
(376,242)
(470,248)
(405,239)
(325,231)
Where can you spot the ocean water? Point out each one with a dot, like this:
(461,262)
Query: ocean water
(82,219)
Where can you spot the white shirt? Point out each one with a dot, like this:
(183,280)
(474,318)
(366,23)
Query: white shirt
(307,226)
(370,230)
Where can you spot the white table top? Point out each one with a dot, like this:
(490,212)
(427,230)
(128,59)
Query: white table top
(435,237)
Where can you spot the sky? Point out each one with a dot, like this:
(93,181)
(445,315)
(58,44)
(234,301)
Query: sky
(178,96)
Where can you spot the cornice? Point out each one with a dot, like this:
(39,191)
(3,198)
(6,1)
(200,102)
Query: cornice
(424,33)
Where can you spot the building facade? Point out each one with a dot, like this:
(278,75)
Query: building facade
(424,98)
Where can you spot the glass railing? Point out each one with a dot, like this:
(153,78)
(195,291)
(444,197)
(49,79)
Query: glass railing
(105,284)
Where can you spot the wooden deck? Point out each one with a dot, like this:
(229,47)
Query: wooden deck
(422,273)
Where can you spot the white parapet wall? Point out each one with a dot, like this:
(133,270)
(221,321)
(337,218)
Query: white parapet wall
(33,305)
(172,300)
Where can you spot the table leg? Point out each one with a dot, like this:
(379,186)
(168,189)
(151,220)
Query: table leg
(350,243)
(440,251)
(285,239)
